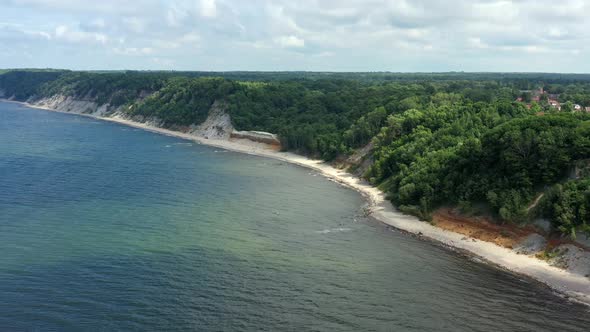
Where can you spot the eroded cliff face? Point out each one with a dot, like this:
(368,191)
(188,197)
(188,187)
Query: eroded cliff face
(70,104)
(359,162)
(218,124)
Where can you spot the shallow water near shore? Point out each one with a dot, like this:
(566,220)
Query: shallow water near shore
(107,227)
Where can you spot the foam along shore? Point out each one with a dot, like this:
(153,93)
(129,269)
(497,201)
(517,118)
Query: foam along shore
(575,286)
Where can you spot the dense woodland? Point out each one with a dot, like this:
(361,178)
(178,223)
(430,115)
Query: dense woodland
(440,139)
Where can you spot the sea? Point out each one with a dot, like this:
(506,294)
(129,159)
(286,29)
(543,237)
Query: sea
(105,227)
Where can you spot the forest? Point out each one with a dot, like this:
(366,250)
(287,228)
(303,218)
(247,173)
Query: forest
(435,139)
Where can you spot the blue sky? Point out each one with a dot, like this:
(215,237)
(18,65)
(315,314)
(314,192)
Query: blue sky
(318,35)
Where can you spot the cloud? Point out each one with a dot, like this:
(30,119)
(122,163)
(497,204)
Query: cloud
(134,51)
(77,6)
(290,41)
(175,16)
(135,24)
(190,39)
(208,8)
(68,34)
(17,33)
(166,63)
(94,25)
(398,35)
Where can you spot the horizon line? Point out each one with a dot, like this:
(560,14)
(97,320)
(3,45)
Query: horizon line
(294,71)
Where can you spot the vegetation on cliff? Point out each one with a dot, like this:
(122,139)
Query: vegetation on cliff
(438,139)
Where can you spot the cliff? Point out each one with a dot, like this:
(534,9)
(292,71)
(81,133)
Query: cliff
(218,124)
(564,266)
(257,136)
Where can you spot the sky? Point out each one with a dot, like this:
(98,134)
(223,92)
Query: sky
(286,35)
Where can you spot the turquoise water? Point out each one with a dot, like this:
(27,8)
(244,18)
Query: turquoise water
(105,227)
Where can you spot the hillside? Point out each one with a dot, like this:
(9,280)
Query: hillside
(428,140)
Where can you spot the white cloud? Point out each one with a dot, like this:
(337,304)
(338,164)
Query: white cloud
(41,34)
(134,51)
(77,6)
(68,34)
(290,41)
(190,39)
(135,24)
(18,33)
(208,8)
(324,54)
(165,63)
(175,16)
(310,34)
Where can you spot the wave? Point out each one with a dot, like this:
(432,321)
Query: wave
(335,230)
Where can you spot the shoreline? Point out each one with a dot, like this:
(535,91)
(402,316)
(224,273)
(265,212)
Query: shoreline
(573,286)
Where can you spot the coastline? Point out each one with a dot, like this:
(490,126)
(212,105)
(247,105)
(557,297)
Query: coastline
(574,286)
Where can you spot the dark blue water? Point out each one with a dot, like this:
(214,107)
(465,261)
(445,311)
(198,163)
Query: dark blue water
(105,227)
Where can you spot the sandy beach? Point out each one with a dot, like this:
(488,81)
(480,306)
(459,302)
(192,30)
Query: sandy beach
(574,286)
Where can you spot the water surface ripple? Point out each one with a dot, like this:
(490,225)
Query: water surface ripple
(105,227)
